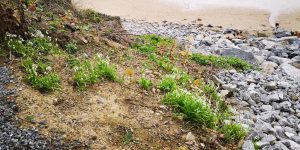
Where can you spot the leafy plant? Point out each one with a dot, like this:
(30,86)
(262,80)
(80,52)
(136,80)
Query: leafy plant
(71,47)
(193,108)
(145,83)
(128,137)
(222,62)
(167,84)
(233,132)
(30,118)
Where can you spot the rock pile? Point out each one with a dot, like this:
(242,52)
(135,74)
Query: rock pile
(268,99)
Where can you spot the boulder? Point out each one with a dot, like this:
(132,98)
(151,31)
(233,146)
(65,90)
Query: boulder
(247,56)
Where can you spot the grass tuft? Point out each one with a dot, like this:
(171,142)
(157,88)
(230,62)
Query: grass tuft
(233,132)
(145,83)
(91,71)
(71,47)
(222,62)
(167,83)
(40,77)
(193,108)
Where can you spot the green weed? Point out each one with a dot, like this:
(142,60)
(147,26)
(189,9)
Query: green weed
(167,84)
(91,71)
(37,76)
(145,83)
(20,47)
(222,62)
(71,47)
(193,108)
(128,137)
(233,132)
(30,118)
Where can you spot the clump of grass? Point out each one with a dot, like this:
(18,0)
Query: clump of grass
(233,132)
(167,84)
(222,62)
(71,47)
(91,71)
(106,70)
(149,43)
(38,76)
(193,108)
(92,16)
(44,45)
(20,47)
(145,83)
(31,47)
(212,94)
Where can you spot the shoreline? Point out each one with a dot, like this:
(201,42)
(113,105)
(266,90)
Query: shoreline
(228,17)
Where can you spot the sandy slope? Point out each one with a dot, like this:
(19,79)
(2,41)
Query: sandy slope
(154,10)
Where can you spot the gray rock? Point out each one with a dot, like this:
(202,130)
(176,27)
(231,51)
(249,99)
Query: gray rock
(254,95)
(289,135)
(271,85)
(291,144)
(239,54)
(268,138)
(296,64)
(248,145)
(262,144)
(285,106)
(268,67)
(296,139)
(268,44)
(279,33)
(273,98)
(279,60)
(280,146)
(266,107)
(290,71)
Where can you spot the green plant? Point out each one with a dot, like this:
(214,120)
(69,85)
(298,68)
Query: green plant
(193,108)
(211,93)
(233,132)
(107,71)
(92,16)
(71,47)
(90,71)
(128,137)
(20,47)
(73,62)
(167,84)
(36,75)
(30,118)
(44,45)
(145,83)
(222,62)
(46,83)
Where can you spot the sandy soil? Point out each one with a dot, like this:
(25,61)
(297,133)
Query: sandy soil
(250,19)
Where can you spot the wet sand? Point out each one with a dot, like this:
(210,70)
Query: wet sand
(155,11)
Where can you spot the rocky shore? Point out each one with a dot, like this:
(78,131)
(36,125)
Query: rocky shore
(267,99)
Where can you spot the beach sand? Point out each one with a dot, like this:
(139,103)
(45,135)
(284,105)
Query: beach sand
(155,11)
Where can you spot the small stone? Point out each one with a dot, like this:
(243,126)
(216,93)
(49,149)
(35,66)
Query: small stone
(273,98)
(224,93)
(280,146)
(288,134)
(248,145)
(266,107)
(230,87)
(190,137)
(271,85)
